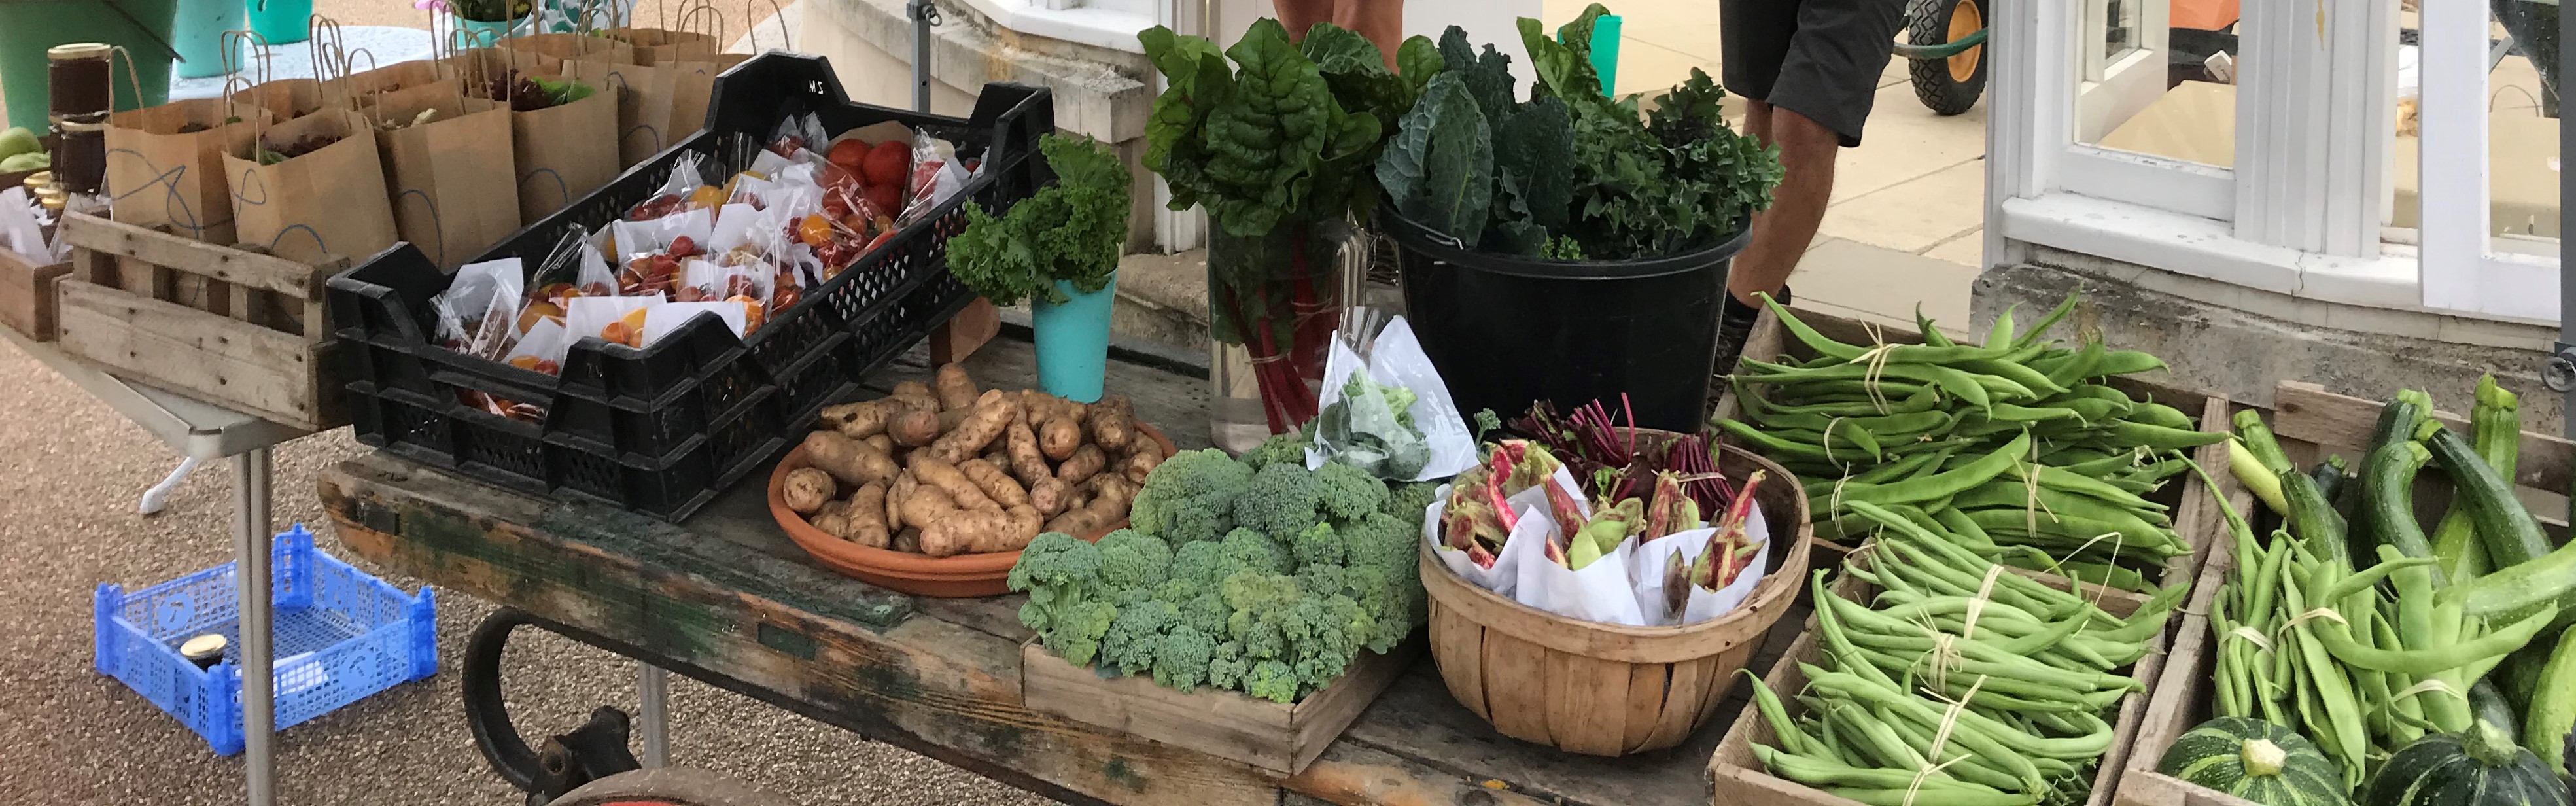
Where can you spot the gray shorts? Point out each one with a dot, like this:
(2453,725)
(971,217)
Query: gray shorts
(1818,58)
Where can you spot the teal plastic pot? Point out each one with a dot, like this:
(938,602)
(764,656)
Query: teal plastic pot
(199,35)
(28,27)
(281,21)
(1073,341)
(479,34)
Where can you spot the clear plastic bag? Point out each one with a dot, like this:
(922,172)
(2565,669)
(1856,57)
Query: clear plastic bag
(685,178)
(936,176)
(1361,423)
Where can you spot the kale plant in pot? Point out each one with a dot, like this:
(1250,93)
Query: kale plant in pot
(1566,247)
(1058,250)
(1280,145)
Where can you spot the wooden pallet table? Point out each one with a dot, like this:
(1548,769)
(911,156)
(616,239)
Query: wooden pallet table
(727,599)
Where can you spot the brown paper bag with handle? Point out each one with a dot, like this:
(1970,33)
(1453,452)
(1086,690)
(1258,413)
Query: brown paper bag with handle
(449,178)
(348,91)
(285,99)
(643,99)
(655,46)
(328,202)
(693,87)
(573,46)
(165,165)
(563,151)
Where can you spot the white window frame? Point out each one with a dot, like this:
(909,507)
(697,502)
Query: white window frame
(2303,214)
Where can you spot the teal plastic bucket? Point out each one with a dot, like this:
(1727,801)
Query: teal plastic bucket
(198,34)
(1073,341)
(282,21)
(1605,52)
(28,27)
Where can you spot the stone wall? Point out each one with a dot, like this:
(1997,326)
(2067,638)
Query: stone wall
(2241,342)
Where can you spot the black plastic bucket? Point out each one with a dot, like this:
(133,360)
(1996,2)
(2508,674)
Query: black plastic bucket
(1506,331)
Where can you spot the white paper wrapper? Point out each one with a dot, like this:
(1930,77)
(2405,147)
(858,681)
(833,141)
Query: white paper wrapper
(1646,566)
(1396,359)
(661,320)
(547,341)
(586,316)
(631,238)
(733,225)
(478,285)
(768,163)
(698,225)
(1600,592)
(1504,577)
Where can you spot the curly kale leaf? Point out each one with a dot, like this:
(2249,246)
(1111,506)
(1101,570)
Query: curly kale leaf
(1488,76)
(1534,144)
(1071,231)
(1439,168)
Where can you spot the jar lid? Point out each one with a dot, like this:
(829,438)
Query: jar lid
(77,50)
(209,645)
(38,180)
(68,126)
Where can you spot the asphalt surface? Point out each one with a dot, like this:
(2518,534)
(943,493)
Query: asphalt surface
(71,471)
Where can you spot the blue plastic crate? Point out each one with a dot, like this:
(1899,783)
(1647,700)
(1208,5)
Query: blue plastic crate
(339,635)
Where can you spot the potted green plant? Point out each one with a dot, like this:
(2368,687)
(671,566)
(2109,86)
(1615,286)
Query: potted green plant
(1059,250)
(1520,221)
(484,23)
(1278,145)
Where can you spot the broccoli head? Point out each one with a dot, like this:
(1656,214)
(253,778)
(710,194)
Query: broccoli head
(1394,600)
(1207,612)
(1190,496)
(1322,577)
(1182,660)
(1409,500)
(1248,551)
(1280,500)
(1133,559)
(1068,606)
(1288,448)
(1348,493)
(1137,636)
(1382,540)
(1318,545)
(1073,633)
(1200,563)
(1272,680)
(1226,667)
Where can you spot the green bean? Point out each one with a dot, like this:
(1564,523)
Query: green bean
(1979,471)
(2010,494)
(2076,531)
(2033,674)
(1807,335)
(2159,414)
(1957,383)
(1769,704)
(1931,335)
(1820,772)
(1923,399)
(2127,362)
(2002,332)
(2075,366)
(1909,797)
(2041,328)
(1770,444)
(2032,381)
(1966,766)
(2060,479)
(1970,723)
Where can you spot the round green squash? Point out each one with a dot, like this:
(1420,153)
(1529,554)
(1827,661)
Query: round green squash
(2255,760)
(2482,767)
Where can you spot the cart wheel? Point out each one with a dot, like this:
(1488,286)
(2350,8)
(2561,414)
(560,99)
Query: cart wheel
(1952,85)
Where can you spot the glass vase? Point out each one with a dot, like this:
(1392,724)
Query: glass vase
(1274,301)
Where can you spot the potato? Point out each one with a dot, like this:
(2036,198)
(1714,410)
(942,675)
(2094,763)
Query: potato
(915,428)
(1085,462)
(1108,505)
(993,411)
(949,419)
(862,420)
(936,473)
(1020,443)
(927,505)
(865,517)
(807,489)
(896,495)
(1058,438)
(1142,463)
(915,390)
(835,524)
(1112,423)
(1051,496)
(884,444)
(981,531)
(908,540)
(997,485)
(954,389)
(848,460)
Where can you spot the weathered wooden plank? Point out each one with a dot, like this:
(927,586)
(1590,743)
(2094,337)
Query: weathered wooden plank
(27,295)
(196,257)
(1417,719)
(190,351)
(2306,411)
(1280,737)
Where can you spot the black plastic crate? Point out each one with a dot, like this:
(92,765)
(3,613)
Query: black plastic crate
(635,427)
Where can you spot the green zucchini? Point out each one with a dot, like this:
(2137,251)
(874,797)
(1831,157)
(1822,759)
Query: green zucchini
(2388,497)
(2497,425)
(2488,704)
(2551,713)
(2512,536)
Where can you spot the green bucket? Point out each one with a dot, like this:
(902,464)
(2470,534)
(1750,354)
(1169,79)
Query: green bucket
(199,35)
(28,27)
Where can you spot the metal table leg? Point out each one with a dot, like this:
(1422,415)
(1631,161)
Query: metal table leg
(655,686)
(251,575)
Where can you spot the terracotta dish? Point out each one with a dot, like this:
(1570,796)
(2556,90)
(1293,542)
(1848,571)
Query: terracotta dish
(902,571)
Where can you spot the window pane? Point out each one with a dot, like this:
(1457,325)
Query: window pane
(2522,127)
(2157,77)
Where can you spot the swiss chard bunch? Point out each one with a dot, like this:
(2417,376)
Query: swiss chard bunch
(1571,173)
(1070,231)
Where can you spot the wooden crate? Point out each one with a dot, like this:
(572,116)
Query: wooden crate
(2310,424)
(1278,737)
(27,295)
(1737,778)
(2193,519)
(232,327)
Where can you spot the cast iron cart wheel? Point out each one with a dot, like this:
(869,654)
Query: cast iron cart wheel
(1948,86)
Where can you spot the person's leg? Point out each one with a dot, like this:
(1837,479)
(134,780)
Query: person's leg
(1781,234)
(1299,15)
(1381,21)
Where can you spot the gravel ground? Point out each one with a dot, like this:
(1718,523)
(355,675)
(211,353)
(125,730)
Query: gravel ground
(70,473)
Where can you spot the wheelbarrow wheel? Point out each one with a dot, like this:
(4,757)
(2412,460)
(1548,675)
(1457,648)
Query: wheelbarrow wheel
(1952,85)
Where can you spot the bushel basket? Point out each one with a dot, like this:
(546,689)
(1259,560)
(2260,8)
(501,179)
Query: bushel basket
(1607,689)
(663,429)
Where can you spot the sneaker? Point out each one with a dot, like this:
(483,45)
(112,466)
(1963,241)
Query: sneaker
(1734,326)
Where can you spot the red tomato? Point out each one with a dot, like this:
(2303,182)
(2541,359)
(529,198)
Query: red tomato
(885,197)
(886,163)
(849,154)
